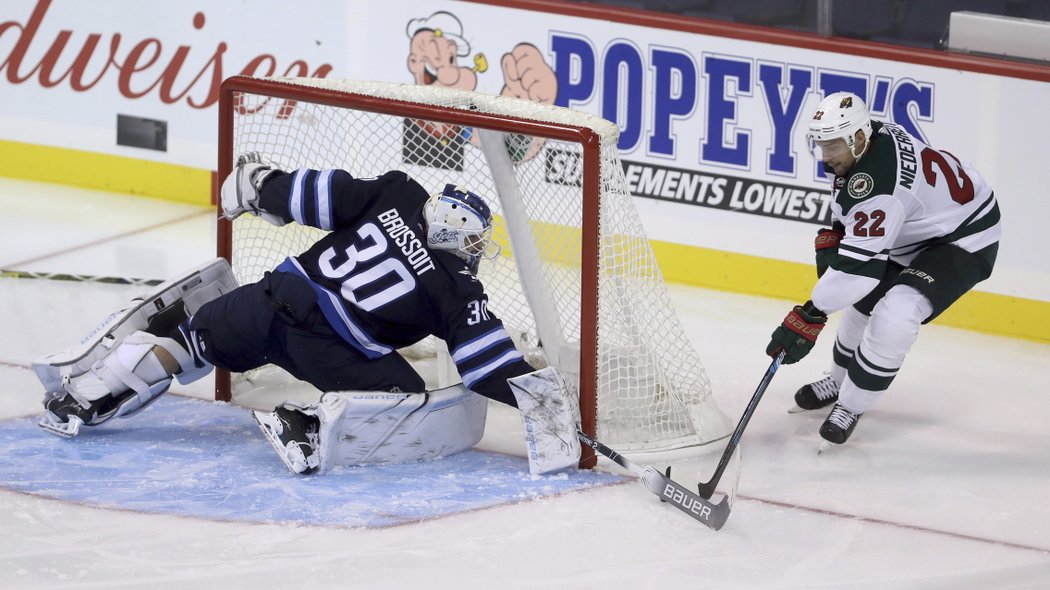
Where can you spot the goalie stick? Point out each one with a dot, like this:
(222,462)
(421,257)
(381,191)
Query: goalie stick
(708,513)
(706,489)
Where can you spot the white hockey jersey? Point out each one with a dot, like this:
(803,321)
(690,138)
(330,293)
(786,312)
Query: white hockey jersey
(900,198)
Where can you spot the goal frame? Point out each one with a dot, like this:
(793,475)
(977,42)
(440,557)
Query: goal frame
(588,139)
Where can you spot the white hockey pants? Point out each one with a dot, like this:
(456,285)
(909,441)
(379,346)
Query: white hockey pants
(870,350)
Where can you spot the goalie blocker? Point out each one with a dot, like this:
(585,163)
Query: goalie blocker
(354,428)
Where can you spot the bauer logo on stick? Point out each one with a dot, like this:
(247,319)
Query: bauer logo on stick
(694,505)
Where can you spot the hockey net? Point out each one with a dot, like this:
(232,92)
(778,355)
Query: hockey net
(576,282)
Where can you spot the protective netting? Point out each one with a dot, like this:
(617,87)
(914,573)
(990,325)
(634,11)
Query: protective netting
(652,391)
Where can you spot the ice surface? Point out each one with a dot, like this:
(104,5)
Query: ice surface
(204,459)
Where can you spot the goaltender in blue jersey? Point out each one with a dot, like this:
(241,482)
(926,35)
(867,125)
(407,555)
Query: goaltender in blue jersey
(379,286)
(397,265)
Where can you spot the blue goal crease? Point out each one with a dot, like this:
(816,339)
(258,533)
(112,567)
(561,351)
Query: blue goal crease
(190,457)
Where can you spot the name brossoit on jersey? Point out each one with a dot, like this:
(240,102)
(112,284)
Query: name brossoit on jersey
(378,284)
(901,197)
(403,236)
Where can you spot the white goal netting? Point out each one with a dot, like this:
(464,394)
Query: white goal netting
(640,375)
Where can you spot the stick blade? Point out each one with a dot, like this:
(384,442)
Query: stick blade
(709,514)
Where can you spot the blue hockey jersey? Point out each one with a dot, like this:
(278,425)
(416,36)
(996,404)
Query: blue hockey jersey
(379,285)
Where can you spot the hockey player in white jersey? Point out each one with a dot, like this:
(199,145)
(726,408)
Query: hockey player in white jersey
(397,265)
(914,229)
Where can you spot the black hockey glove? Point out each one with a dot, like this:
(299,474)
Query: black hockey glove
(798,333)
(827,245)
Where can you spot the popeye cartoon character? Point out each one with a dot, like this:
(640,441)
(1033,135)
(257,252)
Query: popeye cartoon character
(436,46)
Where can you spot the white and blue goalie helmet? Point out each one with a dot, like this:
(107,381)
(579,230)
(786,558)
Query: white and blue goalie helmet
(460,221)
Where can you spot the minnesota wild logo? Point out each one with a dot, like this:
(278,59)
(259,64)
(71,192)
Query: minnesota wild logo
(860,185)
(846,103)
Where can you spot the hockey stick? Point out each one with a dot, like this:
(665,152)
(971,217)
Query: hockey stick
(706,489)
(54,276)
(708,513)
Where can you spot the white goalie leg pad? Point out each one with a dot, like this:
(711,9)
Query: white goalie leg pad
(121,384)
(148,378)
(373,427)
(550,415)
(135,366)
(132,366)
(194,288)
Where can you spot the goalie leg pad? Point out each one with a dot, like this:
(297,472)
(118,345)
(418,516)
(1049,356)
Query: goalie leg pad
(550,415)
(193,289)
(116,371)
(375,427)
(357,427)
(122,383)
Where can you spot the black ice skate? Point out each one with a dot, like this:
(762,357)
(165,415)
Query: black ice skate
(64,413)
(839,425)
(817,395)
(294,435)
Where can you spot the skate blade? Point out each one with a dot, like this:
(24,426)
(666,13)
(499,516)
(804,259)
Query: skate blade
(824,446)
(63,429)
(275,442)
(796,409)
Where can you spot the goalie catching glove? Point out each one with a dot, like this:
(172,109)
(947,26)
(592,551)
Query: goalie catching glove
(243,187)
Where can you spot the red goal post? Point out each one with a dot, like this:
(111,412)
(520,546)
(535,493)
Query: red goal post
(576,284)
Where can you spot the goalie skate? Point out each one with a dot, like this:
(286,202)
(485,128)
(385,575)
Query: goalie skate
(67,429)
(194,289)
(294,434)
(64,413)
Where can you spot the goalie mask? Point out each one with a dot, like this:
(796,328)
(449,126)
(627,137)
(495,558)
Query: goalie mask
(839,116)
(459,221)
